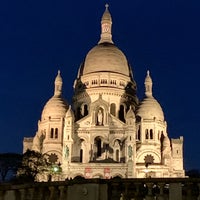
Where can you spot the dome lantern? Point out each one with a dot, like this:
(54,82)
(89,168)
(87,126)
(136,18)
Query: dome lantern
(148,85)
(106,27)
(58,85)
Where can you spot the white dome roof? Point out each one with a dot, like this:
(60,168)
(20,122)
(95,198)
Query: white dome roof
(106,57)
(149,108)
(56,106)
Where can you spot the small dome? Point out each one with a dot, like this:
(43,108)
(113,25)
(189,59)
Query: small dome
(55,107)
(106,57)
(149,108)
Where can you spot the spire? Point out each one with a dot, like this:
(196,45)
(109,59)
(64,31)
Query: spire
(106,26)
(148,85)
(58,85)
(130,113)
(70,112)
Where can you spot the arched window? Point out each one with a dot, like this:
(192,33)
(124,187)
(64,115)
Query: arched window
(98,144)
(121,113)
(56,133)
(146,134)
(99,147)
(85,109)
(138,134)
(52,132)
(81,155)
(113,109)
(117,155)
(161,140)
(78,113)
(151,134)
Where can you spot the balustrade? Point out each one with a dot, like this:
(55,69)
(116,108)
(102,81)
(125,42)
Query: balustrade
(116,189)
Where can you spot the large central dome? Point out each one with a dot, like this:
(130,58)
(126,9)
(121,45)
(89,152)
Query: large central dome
(106,57)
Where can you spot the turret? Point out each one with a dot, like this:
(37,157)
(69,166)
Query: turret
(148,85)
(106,27)
(58,85)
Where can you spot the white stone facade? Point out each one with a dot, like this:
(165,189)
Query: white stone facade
(107,132)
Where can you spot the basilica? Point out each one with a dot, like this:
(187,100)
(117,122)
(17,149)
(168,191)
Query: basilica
(107,131)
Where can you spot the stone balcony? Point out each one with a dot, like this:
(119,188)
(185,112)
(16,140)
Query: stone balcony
(105,189)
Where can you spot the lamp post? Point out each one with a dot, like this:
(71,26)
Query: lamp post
(55,170)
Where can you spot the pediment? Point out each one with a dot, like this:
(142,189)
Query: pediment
(85,121)
(115,122)
(99,103)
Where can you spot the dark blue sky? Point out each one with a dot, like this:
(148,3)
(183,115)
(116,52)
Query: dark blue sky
(39,37)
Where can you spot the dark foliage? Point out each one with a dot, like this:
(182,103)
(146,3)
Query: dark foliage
(33,163)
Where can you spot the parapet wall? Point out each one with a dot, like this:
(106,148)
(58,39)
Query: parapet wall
(101,189)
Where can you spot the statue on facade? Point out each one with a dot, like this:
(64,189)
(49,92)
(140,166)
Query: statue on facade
(66,151)
(100,118)
(130,151)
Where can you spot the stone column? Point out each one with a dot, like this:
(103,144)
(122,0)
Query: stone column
(198,198)
(52,192)
(22,194)
(138,195)
(175,191)
(126,191)
(41,191)
(2,194)
(149,195)
(115,191)
(189,191)
(161,193)
(31,193)
(62,193)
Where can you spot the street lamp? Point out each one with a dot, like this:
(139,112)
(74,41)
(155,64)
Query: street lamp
(54,171)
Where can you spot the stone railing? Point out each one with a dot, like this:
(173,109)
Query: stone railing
(101,189)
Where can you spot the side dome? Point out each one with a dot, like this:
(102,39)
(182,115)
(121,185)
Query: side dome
(149,108)
(105,57)
(56,106)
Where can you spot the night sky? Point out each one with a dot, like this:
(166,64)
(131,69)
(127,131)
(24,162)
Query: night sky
(39,37)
